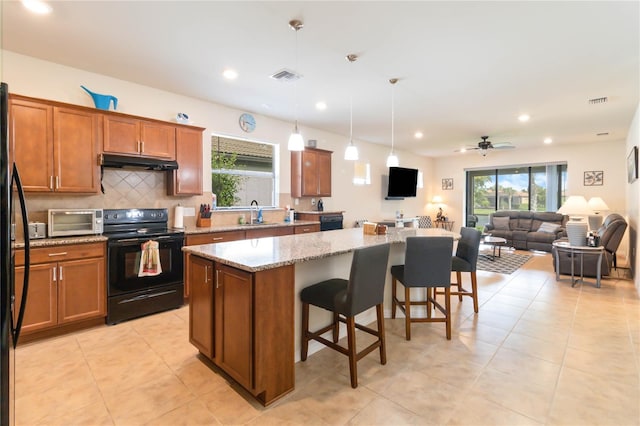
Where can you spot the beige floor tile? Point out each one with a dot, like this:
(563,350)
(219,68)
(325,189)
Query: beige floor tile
(482,332)
(526,398)
(193,413)
(381,411)
(231,405)
(524,368)
(553,335)
(95,414)
(147,402)
(421,394)
(478,411)
(531,346)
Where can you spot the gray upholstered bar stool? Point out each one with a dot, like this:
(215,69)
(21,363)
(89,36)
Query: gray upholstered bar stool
(427,264)
(345,299)
(466,260)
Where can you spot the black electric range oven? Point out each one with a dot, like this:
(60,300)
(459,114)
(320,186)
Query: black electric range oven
(132,293)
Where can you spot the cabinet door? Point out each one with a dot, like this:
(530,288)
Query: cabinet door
(157,140)
(75,154)
(234,323)
(324,174)
(309,173)
(187,180)
(81,290)
(304,229)
(201,305)
(31,141)
(121,135)
(41,309)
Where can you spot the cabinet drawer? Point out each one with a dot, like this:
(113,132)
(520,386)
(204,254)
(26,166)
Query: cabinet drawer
(303,229)
(214,237)
(59,253)
(269,232)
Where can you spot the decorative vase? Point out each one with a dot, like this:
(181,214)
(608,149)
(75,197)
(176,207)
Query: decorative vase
(577,232)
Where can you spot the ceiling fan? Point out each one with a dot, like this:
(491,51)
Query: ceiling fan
(485,145)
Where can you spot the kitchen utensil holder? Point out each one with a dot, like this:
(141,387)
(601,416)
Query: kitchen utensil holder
(203,222)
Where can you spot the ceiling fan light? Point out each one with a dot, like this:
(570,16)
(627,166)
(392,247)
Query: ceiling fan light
(392,160)
(351,153)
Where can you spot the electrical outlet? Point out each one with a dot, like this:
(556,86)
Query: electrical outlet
(296,201)
(313,201)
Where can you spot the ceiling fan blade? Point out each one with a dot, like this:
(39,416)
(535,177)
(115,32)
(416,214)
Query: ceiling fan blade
(467,148)
(503,145)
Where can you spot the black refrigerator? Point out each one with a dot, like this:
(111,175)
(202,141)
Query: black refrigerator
(12,206)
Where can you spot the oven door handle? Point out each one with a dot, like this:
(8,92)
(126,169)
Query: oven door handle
(142,239)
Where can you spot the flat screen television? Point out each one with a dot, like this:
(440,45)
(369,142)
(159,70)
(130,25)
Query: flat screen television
(402,182)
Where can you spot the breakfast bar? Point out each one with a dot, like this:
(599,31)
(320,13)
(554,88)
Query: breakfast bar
(244,311)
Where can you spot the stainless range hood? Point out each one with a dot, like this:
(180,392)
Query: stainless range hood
(129,161)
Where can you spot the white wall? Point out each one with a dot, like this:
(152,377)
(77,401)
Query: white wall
(41,79)
(633,201)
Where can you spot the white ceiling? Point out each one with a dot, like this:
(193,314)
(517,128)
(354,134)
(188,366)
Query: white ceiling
(466,69)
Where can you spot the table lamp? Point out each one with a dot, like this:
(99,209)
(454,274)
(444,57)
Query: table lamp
(597,205)
(576,207)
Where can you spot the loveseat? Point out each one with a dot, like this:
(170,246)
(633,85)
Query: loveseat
(527,230)
(610,234)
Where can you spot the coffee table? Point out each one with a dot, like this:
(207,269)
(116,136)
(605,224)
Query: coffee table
(494,242)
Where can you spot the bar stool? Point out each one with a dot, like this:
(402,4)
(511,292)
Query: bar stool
(428,265)
(466,260)
(345,299)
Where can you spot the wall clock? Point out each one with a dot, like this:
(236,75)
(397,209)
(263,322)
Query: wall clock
(247,122)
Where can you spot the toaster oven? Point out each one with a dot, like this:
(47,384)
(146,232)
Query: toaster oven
(64,222)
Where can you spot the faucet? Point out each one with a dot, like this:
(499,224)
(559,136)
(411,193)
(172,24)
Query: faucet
(251,218)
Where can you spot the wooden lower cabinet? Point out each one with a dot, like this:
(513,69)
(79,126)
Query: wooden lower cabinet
(251,322)
(69,290)
(305,229)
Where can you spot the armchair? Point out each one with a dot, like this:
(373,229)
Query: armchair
(610,234)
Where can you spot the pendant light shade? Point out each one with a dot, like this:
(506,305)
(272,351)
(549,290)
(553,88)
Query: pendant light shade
(296,141)
(351,153)
(392,159)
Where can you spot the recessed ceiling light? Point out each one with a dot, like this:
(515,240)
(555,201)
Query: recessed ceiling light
(230,74)
(321,106)
(548,140)
(463,150)
(37,6)
(418,135)
(524,118)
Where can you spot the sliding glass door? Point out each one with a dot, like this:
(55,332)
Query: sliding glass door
(536,188)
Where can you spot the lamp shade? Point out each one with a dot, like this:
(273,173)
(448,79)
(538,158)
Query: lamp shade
(598,205)
(436,199)
(351,153)
(392,160)
(296,141)
(576,207)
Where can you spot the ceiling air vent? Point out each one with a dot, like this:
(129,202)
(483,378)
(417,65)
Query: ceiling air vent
(286,75)
(598,100)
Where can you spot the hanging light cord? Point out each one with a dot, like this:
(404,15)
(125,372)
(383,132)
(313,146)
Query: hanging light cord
(393,82)
(295,86)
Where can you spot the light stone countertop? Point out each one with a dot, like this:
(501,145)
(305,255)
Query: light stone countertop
(58,241)
(255,255)
(190,230)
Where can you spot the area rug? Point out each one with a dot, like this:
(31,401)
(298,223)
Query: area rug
(507,263)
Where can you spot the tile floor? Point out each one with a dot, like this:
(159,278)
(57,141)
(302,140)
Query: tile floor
(539,352)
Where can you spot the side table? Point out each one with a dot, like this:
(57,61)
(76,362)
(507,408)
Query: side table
(563,246)
(444,224)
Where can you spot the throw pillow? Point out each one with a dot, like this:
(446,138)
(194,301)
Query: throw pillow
(548,227)
(501,223)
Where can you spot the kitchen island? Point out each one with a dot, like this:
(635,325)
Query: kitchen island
(244,310)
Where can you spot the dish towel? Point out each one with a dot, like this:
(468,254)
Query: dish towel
(150,260)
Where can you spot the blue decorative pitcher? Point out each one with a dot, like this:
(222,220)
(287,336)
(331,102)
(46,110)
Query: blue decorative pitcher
(102,101)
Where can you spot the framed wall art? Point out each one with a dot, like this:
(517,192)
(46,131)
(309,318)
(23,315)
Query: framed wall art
(447,183)
(593,178)
(632,165)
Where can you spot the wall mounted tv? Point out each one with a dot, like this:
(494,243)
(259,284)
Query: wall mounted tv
(402,183)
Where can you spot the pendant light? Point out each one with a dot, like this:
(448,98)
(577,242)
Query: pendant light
(296,142)
(351,153)
(392,159)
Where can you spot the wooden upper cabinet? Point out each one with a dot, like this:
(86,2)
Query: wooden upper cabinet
(311,173)
(187,180)
(31,143)
(55,147)
(132,136)
(75,140)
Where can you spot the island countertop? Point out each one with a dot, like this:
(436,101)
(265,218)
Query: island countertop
(255,255)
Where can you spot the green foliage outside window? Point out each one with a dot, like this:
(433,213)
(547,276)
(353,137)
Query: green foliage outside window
(225,185)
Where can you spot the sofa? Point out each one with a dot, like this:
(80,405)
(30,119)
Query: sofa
(610,234)
(527,230)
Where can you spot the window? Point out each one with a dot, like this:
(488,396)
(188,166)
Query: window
(242,171)
(535,188)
